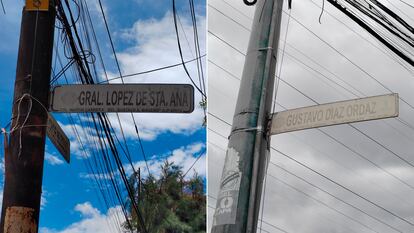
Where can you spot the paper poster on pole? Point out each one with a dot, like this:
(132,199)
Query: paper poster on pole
(229,190)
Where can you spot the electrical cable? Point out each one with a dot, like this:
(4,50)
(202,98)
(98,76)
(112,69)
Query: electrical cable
(342,144)
(87,78)
(87,163)
(332,181)
(181,53)
(120,75)
(406,3)
(372,32)
(386,148)
(2,6)
(195,161)
(152,70)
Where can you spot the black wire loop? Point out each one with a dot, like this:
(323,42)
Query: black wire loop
(249,3)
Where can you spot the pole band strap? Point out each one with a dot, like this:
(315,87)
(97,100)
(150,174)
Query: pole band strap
(258,129)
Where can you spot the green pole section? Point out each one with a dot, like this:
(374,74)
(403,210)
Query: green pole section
(238,201)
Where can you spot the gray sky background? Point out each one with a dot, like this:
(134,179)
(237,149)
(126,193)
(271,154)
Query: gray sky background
(337,152)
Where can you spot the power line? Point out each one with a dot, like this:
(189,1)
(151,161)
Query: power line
(344,187)
(195,161)
(406,3)
(335,182)
(181,52)
(213,35)
(152,70)
(341,143)
(319,188)
(197,45)
(86,76)
(313,100)
(132,115)
(2,6)
(86,161)
(333,196)
(323,203)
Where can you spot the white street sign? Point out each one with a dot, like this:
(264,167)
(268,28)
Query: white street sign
(364,109)
(58,137)
(168,98)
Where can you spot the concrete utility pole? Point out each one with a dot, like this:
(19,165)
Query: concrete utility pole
(238,201)
(24,163)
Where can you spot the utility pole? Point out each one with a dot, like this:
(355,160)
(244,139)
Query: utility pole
(238,202)
(24,163)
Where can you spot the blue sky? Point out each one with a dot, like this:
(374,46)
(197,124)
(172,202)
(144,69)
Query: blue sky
(144,39)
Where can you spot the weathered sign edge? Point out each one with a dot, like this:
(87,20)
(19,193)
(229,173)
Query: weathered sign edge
(192,107)
(57,123)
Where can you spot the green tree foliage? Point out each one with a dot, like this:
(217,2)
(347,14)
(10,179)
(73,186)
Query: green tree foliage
(169,204)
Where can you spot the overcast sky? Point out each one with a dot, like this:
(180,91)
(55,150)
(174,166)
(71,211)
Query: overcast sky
(366,164)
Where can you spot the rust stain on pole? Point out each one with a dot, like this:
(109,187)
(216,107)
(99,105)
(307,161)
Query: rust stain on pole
(19,220)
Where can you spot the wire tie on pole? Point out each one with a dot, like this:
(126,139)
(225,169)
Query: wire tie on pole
(260,49)
(266,49)
(20,128)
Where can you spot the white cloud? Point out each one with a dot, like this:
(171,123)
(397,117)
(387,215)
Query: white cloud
(103,176)
(43,200)
(155,46)
(184,156)
(52,159)
(2,167)
(87,210)
(92,220)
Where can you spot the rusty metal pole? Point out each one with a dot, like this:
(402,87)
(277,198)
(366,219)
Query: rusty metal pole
(24,163)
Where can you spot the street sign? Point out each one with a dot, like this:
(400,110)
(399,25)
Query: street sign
(37,5)
(58,137)
(356,110)
(168,98)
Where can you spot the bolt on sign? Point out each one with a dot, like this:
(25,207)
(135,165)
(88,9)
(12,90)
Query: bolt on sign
(58,137)
(167,98)
(342,112)
(37,5)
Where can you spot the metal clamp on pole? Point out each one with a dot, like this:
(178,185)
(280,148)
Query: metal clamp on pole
(259,50)
(265,48)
